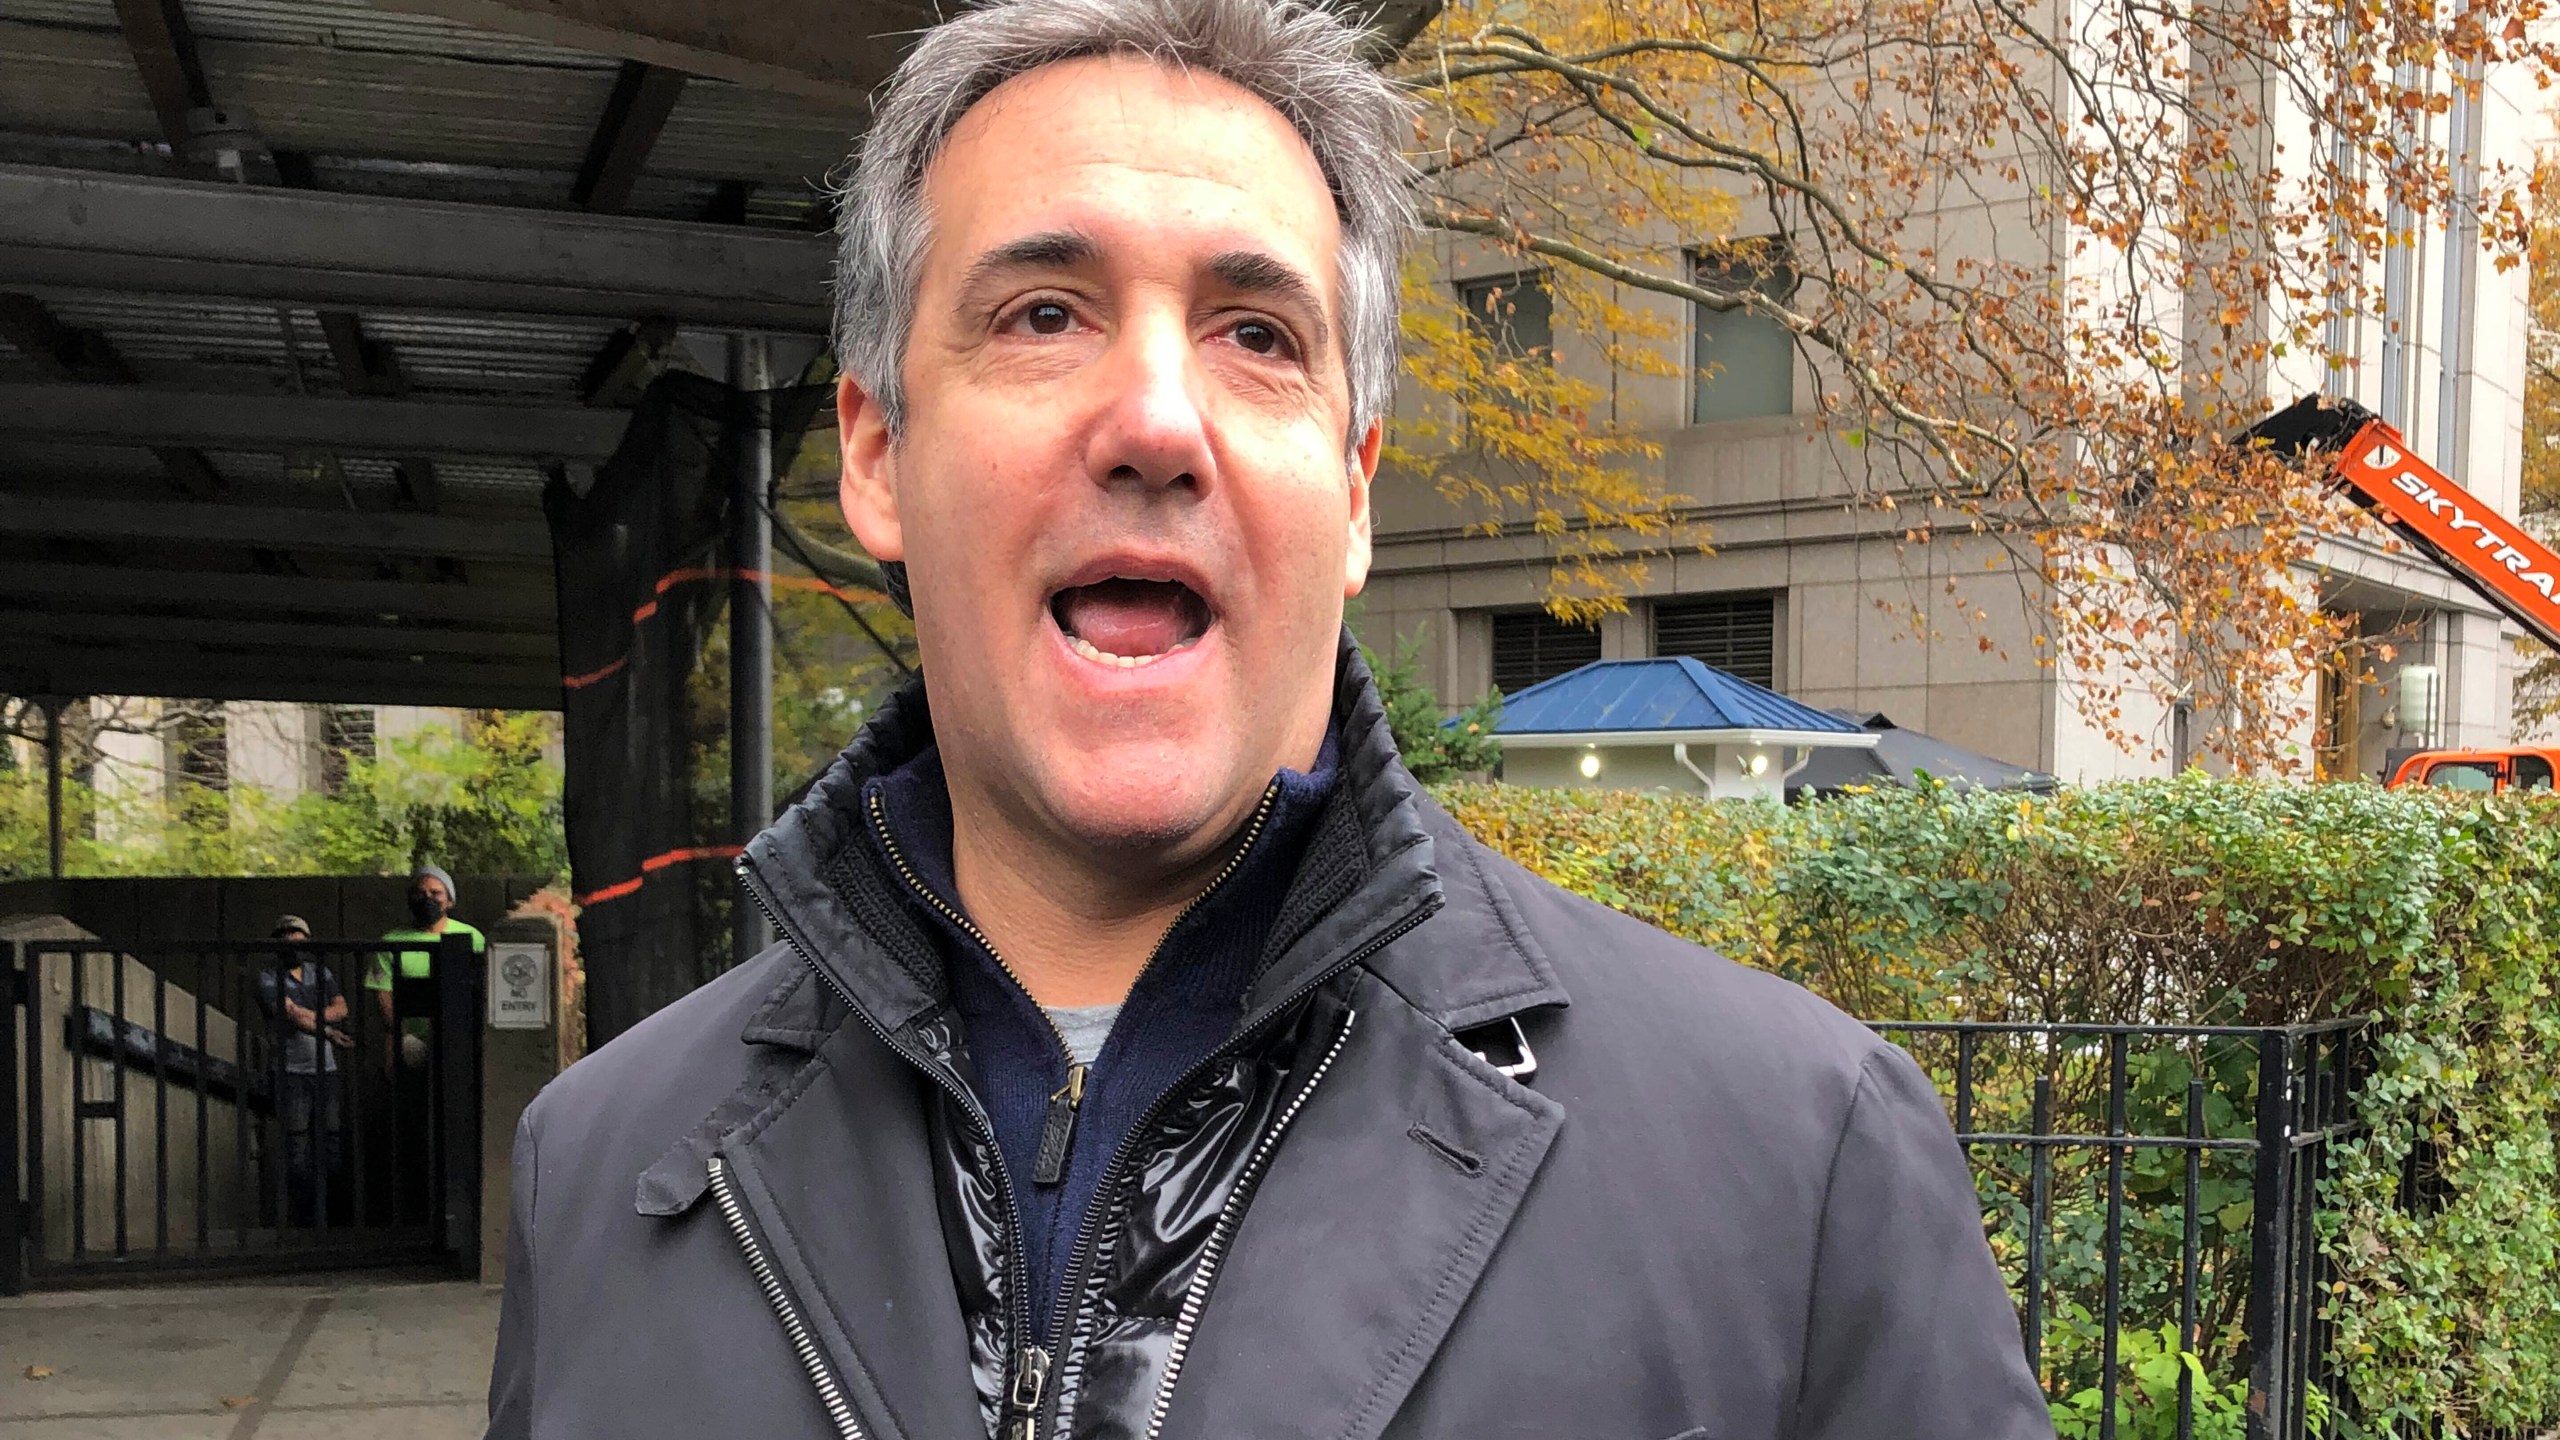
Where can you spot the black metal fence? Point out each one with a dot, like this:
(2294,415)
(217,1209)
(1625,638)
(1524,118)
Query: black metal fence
(236,1107)
(2153,1192)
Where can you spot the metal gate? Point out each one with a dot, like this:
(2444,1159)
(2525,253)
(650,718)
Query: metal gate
(2114,1161)
(228,1108)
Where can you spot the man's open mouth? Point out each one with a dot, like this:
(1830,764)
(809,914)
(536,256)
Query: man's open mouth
(1129,623)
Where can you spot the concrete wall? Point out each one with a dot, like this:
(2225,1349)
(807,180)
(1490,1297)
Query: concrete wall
(217,1188)
(1621,768)
(273,747)
(140,912)
(1864,621)
(514,1066)
(1651,767)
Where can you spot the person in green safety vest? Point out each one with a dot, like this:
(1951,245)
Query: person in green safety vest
(408,1154)
(431,899)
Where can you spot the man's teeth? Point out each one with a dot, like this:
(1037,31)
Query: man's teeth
(1099,656)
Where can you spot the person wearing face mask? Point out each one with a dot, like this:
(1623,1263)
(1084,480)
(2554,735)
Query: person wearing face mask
(431,900)
(406,1037)
(307,1010)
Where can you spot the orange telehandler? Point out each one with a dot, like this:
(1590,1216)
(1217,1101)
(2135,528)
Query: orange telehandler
(2510,569)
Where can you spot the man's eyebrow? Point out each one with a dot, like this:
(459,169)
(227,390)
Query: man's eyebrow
(1047,250)
(1256,273)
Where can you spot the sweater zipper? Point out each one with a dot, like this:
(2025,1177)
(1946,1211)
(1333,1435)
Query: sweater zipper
(1031,1358)
(1058,1126)
(830,1394)
(1195,1298)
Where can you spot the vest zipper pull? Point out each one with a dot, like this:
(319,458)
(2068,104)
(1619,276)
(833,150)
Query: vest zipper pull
(1022,1402)
(1058,1132)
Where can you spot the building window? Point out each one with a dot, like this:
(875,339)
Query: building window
(200,751)
(1513,313)
(1743,362)
(1532,645)
(1737,634)
(346,736)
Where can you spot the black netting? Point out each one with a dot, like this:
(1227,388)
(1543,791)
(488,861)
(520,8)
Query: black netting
(643,598)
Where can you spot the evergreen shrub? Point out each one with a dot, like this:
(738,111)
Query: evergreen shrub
(2188,901)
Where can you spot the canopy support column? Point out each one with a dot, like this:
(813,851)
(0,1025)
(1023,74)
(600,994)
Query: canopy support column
(750,622)
(53,784)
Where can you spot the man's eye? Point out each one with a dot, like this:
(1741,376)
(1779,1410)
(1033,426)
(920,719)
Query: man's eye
(1262,338)
(1047,317)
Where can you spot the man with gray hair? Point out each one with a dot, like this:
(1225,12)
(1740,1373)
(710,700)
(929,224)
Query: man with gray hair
(1145,1053)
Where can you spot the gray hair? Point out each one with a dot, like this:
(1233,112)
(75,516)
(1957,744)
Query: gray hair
(1302,61)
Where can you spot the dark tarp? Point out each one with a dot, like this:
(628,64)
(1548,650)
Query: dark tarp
(1901,757)
(642,581)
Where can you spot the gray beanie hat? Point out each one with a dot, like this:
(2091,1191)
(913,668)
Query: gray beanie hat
(451,896)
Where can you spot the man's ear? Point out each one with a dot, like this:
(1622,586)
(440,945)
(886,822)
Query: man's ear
(867,483)
(1364,471)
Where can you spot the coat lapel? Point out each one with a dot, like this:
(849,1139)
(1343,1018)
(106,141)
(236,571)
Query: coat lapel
(840,1187)
(1371,1229)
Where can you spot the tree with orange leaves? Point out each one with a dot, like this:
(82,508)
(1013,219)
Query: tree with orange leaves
(2181,201)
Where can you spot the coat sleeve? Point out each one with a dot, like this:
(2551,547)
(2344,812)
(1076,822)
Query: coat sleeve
(1912,1332)
(511,1374)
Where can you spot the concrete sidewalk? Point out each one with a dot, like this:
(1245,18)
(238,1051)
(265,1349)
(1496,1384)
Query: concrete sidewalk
(297,1361)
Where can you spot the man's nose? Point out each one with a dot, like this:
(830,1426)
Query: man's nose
(1153,429)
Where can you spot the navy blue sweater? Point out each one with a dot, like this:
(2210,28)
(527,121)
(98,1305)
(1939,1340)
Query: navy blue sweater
(1184,1006)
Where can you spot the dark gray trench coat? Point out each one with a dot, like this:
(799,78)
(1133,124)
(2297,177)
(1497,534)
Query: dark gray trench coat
(1718,1210)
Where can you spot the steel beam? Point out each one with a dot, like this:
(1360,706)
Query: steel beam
(93,231)
(276,527)
(643,97)
(365,367)
(364,425)
(69,353)
(236,593)
(303,640)
(820,48)
(164,56)
(30,669)
(60,351)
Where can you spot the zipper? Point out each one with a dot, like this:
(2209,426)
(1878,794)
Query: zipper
(906,872)
(1196,1297)
(1089,1229)
(830,1394)
(1022,1398)
(1019,1306)
(1058,1125)
(1058,1129)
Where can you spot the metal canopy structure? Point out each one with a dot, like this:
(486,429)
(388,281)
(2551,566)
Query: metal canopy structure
(302,302)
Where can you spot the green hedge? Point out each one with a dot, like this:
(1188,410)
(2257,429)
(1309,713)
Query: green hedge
(2193,900)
